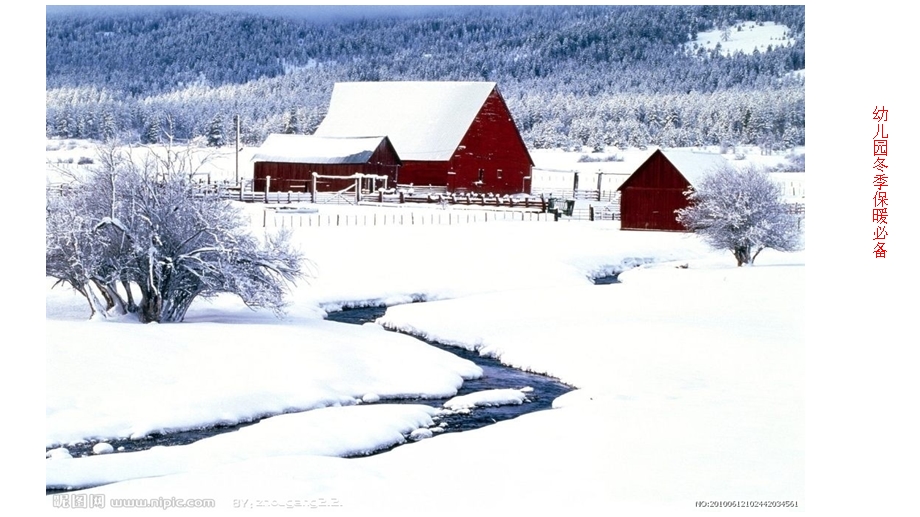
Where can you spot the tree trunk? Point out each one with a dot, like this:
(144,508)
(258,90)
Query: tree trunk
(109,302)
(755,254)
(743,255)
(130,306)
(150,308)
(89,301)
(95,304)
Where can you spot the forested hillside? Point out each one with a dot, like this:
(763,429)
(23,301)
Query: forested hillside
(573,75)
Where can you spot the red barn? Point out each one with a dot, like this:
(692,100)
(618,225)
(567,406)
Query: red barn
(291,160)
(650,196)
(457,135)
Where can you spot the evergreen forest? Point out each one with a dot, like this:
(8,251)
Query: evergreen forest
(571,75)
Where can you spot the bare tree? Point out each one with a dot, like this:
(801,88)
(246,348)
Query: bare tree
(741,211)
(138,228)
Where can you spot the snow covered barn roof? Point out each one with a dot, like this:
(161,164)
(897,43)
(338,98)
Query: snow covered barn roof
(424,120)
(316,149)
(694,166)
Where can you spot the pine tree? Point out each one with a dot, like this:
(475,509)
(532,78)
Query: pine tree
(291,126)
(216,132)
(109,127)
(152,132)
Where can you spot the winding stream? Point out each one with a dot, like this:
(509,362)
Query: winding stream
(495,376)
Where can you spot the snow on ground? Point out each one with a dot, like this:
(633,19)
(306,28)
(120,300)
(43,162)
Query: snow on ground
(595,331)
(331,431)
(689,376)
(745,37)
(218,164)
(118,380)
(497,397)
(397,264)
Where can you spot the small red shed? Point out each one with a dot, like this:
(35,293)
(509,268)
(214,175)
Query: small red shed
(650,195)
(457,135)
(291,160)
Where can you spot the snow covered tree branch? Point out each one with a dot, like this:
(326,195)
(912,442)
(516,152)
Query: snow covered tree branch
(741,211)
(135,237)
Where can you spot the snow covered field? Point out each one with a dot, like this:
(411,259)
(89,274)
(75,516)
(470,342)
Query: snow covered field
(690,377)
(744,37)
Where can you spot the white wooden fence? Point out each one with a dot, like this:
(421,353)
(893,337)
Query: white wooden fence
(272,219)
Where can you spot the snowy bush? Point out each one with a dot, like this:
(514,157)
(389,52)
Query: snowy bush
(135,237)
(793,163)
(587,158)
(741,211)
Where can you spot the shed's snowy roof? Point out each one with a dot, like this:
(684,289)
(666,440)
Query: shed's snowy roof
(693,165)
(423,120)
(316,149)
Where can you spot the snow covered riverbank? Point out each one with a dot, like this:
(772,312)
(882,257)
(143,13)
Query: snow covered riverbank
(690,377)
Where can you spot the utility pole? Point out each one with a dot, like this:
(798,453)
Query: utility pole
(237,117)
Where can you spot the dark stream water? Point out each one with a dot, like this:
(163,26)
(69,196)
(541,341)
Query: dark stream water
(607,279)
(495,376)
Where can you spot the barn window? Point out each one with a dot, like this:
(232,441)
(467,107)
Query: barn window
(482,174)
(499,174)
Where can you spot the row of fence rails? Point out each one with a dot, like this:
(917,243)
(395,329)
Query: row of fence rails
(796,208)
(58,188)
(272,219)
(456,199)
(287,197)
(606,212)
(609,196)
(225,190)
(334,198)
(346,196)
(603,196)
(422,189)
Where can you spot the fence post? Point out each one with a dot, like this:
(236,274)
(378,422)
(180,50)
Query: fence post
(313,186)
(357,188)
(590,212)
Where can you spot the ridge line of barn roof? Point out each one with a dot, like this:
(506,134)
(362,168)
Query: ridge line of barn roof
(424,120)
